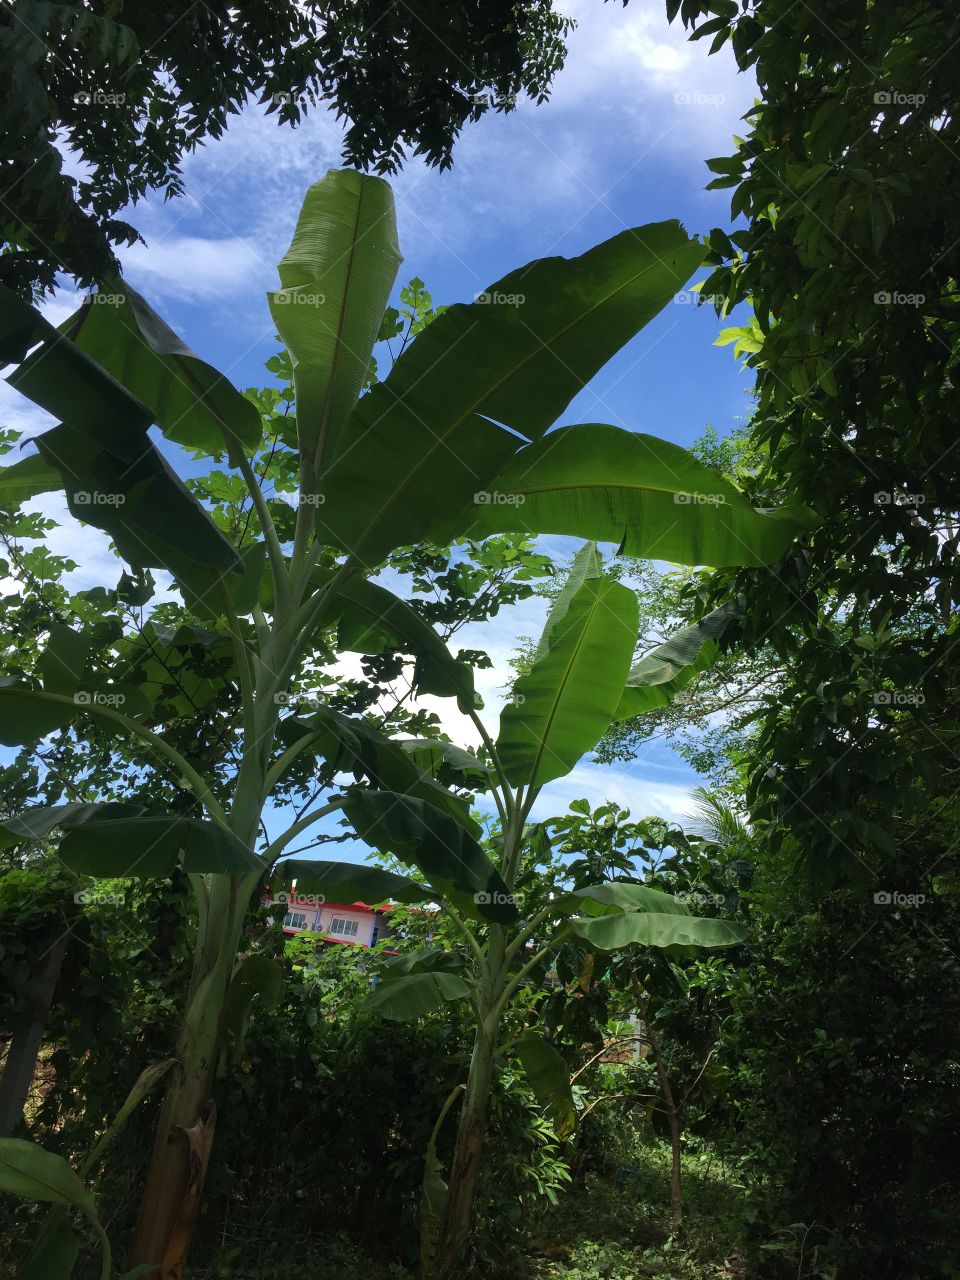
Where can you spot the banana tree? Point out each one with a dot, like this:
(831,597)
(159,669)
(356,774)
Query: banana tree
(576,685)
(466,412)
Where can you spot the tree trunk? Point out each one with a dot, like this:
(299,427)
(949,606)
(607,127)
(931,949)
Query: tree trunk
(465,1169)
(676,1199)
(21,1064)
(171,1195)
(673,1119)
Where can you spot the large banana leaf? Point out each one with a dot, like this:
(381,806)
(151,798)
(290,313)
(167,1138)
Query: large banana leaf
(371,619)
(154,521)
(549,1078)
(192,402)
(654,929)
(430,960)
(664,671)
(113,476)
(336,278)
(255,975)
(28,714)
(423,442)
(447,854)
(152,846)
(349,744)
(651,497)
(38,822)
(622,895)
(403,999)
(28,1171)
(559,709)
(586,564)
(345,882)
(204,593)
(436,756)
(26,478)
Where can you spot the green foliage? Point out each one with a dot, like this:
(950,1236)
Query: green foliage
(594,480)
(343,259)
(331,1078)
(131,92)
(662,672)
(448,855)
(549,1078)
(193,404)
(482,364)
(559,708)
(858,1134)
(368,482)
(852,280)
(613,1225)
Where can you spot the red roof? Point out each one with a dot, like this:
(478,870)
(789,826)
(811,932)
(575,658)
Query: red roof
(306,901)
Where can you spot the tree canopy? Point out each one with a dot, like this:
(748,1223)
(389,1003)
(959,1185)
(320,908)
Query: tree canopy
(122,93)
(848,182)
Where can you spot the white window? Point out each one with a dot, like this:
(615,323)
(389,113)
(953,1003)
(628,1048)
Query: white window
(294,920)
(345,928)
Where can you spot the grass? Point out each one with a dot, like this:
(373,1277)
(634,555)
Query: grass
(602,1232)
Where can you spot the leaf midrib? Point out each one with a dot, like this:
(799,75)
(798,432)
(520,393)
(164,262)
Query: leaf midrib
(442,439)
(561,689)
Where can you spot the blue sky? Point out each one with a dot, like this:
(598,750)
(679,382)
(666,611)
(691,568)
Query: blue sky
(623,141)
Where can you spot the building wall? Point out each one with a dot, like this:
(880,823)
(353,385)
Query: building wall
(319,918)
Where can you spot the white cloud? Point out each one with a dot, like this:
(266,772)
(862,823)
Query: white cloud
(20,414)
(61,306)
(536,173)
(643,796)
(200,269)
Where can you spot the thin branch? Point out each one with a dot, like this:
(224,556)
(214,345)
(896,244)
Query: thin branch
(273,851)
(467,933)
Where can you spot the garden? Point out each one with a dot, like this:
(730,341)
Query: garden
(478,589)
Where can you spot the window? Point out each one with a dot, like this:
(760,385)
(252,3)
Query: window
(374,936)
(294,920)
(345,928)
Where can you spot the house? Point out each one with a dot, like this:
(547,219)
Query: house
(355,923)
